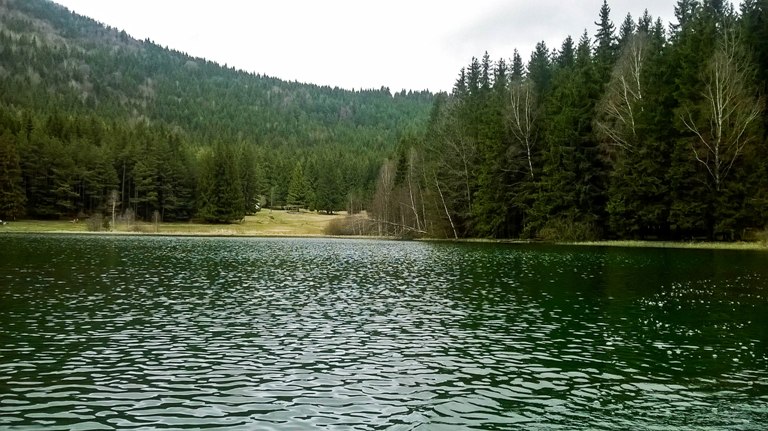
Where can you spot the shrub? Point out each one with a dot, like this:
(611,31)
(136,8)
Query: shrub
(350,225)
(569,230)
(95,223)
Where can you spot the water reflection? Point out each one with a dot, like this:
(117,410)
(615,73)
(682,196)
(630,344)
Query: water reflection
(279,333)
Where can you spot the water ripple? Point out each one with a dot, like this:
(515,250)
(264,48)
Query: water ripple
(121,333)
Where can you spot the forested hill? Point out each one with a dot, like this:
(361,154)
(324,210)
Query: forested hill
(82,84)
(54,59)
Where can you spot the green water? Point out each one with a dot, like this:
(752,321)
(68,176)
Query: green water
(144,332)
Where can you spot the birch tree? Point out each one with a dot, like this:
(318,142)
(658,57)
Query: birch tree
(522,118)
(729,107)
(623,100)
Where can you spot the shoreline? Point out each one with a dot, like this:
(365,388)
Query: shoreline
(223,233)
(691,245)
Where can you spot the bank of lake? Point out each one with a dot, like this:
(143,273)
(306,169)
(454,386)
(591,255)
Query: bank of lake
(281,223)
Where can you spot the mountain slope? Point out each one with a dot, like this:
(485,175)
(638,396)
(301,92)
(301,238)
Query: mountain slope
(53,59)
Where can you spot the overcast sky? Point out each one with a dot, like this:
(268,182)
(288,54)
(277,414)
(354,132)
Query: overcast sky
(401,44)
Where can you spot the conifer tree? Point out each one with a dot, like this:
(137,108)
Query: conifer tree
(567,54)
(328,194)
(570,203)
(220,198)
(540,68)
(517,70)
(605,43)
(626,31)
(297,188)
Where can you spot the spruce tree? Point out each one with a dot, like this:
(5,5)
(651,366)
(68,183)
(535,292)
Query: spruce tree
(297,188)
(220,198)
(328,194)
(540,68)
(605,40)
(517,69)
(570,203)
(626,31)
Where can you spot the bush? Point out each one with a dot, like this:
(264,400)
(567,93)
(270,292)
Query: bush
(762,237)
(350,225)
(569,230)
(95,223)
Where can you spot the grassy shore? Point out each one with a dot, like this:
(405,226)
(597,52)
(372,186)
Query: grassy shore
(309,224)
(757,245)
(264,223)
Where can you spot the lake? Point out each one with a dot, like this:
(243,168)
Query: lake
(100,332)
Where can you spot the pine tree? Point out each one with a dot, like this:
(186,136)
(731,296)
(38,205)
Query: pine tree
(605,39)
(297,188)
(517,70)
(626,31)
(220,198)
(644,23)
(328,194)
(248,177)
(685,10)
(540,68)
(567,54)
(571,202)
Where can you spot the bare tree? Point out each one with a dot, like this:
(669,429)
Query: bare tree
(455,155)
(729,108)
(445,207)
(623,98)
(413,178)
(522,117)
(380,206)
(114,201)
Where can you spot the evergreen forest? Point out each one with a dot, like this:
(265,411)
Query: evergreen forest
(634,129)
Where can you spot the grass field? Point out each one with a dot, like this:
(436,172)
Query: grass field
(264,223)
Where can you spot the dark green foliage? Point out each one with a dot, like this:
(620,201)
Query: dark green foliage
(572,184)
(220,191)
(298,188)
(540,68)
(605,47)
(12,197)
(328,192)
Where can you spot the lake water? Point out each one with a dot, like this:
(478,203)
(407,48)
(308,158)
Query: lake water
(236,333)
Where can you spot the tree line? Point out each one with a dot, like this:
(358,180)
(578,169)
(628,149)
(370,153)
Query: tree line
(642,132)
(72,167)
